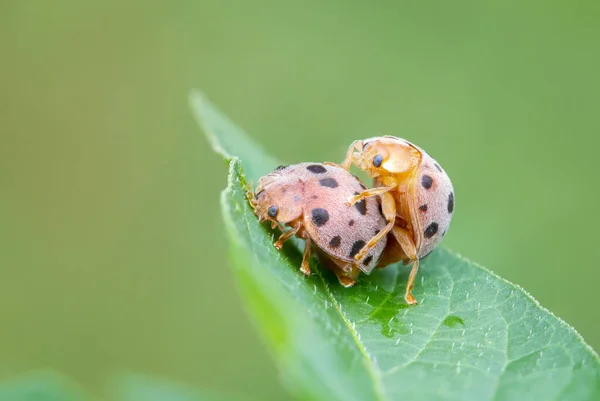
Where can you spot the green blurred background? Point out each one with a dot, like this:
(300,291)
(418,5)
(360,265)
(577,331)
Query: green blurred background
(112,249)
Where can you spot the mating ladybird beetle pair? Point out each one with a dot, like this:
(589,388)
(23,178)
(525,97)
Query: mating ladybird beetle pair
(402,218)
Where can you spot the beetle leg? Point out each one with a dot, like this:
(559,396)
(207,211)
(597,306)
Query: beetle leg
(249,189)
(305,266)
(250,195)
(356,145)
(285,236)
(408,246)
(369,192)
(388,208)
(347,279)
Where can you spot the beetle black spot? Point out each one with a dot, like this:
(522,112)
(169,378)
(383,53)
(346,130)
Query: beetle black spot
(273,211)
(335,241)
(320,216)
(356,247)
(328,182)
(279,168)
(315,197)
(451,202)
(423,208)
(367,260)
(316,168)
(438,167)
(351,223)
(361,206)
(431,230)
(377,160)
(426,181)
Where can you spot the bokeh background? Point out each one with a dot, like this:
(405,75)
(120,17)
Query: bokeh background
(112,253)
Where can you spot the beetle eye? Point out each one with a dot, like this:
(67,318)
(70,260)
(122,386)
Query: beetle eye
(377,160)
(273,211)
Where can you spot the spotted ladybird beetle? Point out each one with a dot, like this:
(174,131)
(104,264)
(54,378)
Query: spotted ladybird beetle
(311,199)
(416,194)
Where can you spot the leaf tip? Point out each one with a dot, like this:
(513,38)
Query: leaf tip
(202,109)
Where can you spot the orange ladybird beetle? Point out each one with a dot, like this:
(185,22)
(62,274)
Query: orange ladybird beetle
(416,194)
(311,198)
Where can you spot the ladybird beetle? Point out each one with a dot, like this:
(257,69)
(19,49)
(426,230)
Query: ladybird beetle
(311,199)
(417,198)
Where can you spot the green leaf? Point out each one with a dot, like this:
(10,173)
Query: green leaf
(473,335)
